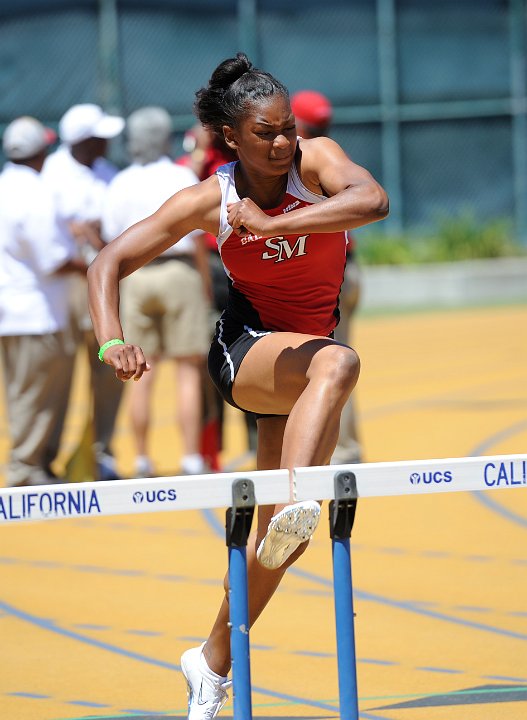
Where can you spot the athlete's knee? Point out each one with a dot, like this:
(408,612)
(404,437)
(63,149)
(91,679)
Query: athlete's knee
(351,363)
(340,365)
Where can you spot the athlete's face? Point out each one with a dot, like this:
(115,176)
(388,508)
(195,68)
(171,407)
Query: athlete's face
(265,139)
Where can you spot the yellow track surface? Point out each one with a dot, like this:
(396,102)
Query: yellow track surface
(95,613)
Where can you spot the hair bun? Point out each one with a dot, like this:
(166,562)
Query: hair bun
(231,91)
(229,71)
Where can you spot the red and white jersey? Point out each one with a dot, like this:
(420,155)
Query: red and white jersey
(290,282)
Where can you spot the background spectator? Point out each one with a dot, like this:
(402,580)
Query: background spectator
(34,259)
(78,175)
(314,112)
(165,304)
(205,153)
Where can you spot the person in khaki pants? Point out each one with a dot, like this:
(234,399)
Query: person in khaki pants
(35,257)
(78,174)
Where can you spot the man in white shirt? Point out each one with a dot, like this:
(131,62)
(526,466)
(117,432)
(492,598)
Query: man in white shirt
(78,175)
(165,307)
(34,259)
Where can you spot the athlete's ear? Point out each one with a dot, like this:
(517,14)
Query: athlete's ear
(229,136)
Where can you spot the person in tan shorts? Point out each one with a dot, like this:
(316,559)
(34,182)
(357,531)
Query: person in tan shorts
(165,304)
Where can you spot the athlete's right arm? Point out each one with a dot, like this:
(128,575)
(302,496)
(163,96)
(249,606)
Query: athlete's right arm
(194,208)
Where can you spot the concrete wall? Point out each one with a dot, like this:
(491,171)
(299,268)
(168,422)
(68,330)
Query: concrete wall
(443,285)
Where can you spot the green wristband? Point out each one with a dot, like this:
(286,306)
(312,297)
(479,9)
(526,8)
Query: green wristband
(104,348)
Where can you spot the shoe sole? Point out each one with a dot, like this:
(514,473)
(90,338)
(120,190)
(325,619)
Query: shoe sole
(291,527)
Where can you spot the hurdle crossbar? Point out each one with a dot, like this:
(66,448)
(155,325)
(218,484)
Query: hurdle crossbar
(240,492)
(196,492)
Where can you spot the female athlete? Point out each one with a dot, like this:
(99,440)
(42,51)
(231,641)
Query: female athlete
(280,214)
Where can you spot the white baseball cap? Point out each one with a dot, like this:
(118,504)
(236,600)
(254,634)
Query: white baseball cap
(85,121)
(25,137)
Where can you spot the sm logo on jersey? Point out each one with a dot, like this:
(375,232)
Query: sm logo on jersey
(281,249)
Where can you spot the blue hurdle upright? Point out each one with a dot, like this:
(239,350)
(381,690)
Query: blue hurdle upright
(341,517)
(238,526)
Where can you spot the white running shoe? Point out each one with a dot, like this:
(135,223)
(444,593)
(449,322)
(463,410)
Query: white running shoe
(207,691)
(287,530)
(144,467)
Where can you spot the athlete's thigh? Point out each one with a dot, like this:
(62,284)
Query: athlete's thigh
(275,371)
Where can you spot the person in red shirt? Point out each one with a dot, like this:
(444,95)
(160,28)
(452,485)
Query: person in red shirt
(314,113)
(205,153)
(280,213)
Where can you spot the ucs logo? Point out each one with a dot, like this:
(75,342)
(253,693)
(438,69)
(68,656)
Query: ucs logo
(427,478)
(151,496)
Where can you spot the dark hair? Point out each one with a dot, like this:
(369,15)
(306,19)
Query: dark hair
(233,85)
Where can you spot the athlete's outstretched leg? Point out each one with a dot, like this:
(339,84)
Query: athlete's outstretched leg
(306,380)
(322,373)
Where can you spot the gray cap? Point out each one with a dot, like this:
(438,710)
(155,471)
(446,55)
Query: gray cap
(149,132)
(25,137)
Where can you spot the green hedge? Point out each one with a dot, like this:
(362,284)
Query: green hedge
(452,239)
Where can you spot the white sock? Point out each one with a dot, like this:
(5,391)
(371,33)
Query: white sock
(205,669)
(143,464)
(192,464)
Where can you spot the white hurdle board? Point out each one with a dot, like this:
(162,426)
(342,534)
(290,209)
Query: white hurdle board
(418,477)
(196,492)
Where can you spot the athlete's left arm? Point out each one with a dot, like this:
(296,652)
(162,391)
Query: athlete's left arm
(352,197)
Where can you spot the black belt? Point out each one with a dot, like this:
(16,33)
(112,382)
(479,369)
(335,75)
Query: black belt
(187,258)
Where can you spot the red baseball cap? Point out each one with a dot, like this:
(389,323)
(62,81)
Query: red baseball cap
(312,108)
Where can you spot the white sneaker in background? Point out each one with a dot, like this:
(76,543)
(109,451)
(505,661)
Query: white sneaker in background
(287,530)
(193,464)
(207,691)
(144,467)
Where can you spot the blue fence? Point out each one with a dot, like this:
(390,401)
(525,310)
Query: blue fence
(430,96)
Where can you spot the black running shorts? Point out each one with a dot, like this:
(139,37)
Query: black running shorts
(231,343)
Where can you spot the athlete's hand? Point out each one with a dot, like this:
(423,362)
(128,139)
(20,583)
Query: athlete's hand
(246,218)
(127,360)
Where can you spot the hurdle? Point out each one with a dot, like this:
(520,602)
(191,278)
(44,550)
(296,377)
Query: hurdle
(342,485)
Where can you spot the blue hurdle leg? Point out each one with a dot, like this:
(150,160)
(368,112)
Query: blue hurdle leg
(238,525)
(239,619)
(341,518)
(347,665)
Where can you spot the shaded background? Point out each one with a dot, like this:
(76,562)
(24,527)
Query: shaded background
(430,96)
